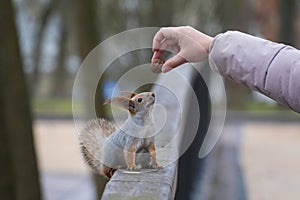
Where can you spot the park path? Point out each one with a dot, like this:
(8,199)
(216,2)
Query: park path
(64,175)
(253,160)
(270,158)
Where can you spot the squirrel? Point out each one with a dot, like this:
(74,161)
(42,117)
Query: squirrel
(107,147)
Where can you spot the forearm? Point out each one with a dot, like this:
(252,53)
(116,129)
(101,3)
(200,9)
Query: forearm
(270,68)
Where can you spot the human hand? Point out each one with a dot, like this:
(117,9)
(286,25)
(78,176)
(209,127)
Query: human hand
(189,45)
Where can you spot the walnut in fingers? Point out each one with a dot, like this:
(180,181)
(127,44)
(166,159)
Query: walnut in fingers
(156,65)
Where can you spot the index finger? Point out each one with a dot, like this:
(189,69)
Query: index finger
(158,39)
(157,54)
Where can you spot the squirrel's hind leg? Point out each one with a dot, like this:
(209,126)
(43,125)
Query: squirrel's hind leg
(108,172)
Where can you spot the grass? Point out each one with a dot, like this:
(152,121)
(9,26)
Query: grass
(262,107)
(52,107)
(63,108)
(271,110)
(60,108)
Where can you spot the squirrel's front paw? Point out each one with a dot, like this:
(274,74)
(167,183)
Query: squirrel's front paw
(155,165)
(134,167)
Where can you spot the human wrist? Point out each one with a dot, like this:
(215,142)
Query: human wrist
(204,41)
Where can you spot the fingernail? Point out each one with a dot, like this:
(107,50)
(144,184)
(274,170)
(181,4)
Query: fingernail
(152,59)
(155,53)
(166,68)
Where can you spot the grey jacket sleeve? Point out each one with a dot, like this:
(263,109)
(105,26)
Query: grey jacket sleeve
(270,68)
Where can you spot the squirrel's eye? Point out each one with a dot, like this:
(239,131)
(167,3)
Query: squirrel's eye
(140,100)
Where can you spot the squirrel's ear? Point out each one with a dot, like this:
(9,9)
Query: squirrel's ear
(122,102)
(128,94)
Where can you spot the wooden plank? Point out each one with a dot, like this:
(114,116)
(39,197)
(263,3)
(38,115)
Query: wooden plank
(147,185)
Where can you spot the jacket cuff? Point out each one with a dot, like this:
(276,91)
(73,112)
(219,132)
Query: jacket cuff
(211,61)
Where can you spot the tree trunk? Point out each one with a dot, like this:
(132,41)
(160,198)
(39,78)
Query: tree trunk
(235,14)
(160,14)
(287,21)
(18,169)
(88,38)
(37,50)
(60,73)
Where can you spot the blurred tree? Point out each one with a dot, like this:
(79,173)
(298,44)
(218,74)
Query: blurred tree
(161,13)
(233,14)
(236,15)
(60,73)
(297,33)
(267,18)
(18,170)
(89,37)
(43,19)
(153,13)
(114,16)
(287,21)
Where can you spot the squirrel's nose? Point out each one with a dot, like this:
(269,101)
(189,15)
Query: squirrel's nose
(153,95)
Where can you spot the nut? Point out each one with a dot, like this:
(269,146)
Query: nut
(156,65)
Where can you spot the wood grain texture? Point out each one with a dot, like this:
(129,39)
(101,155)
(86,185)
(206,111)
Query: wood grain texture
(147,185)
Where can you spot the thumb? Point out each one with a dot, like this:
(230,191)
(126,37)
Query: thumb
(173,62)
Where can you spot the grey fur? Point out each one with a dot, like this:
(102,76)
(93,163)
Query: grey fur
(104,144)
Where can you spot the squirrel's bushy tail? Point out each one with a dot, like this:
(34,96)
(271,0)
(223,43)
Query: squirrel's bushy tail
(91,142)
